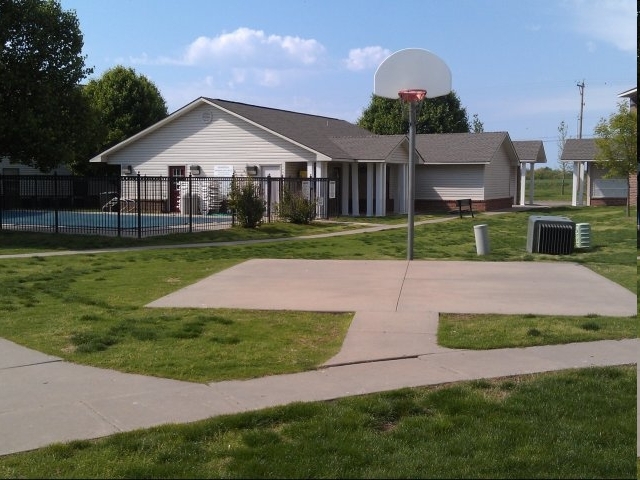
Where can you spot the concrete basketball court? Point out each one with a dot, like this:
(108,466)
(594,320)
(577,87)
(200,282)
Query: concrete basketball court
(544,288)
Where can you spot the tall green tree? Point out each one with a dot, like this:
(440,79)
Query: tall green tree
(125,102)
(617,144)
(41,67)
(444,114)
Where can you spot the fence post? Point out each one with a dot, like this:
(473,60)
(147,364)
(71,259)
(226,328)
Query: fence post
(190,200)
(55,200)
(138,189)
(269,198)
(2,195)
(118,204)
(232,196)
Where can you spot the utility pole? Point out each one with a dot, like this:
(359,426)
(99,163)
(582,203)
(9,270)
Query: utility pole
(581,87)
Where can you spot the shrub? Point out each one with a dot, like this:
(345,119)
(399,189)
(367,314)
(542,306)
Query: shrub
(247,202)
(295,208)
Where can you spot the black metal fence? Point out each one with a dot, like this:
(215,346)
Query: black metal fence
(139,206)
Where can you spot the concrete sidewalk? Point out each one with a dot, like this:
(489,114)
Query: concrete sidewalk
(391,343)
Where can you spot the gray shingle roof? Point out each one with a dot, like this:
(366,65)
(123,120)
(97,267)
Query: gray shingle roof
(530,151)
(579,150)
(451,148)
(341,140)
(373,147)
(312,131)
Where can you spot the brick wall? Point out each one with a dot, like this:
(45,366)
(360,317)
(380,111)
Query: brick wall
(430,206)
(633,189)
(609,202)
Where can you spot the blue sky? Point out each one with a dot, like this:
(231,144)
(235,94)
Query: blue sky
(516,64)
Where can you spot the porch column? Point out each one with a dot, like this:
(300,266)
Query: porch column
(355,195)
(523,181)
(581,186)
(370,189)
(574,186)
(381,189)
(577,193)
(532,188)
(401,196)
(317,169)
(345,188)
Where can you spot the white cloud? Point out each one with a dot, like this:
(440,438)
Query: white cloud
(367,57)
(247,46)
(243,47)
(610,21)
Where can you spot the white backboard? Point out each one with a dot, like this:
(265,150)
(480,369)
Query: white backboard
(412,69)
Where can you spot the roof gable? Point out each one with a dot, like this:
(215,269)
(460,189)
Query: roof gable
(311,131)
(530,151)
(579,150)
(373,147)
(463,148)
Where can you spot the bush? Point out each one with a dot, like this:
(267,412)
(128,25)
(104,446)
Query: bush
(247,203)
(295,208)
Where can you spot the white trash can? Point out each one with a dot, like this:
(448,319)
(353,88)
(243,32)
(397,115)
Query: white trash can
(481,233)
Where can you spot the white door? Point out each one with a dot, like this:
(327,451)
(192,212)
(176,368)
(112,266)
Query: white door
(274,172)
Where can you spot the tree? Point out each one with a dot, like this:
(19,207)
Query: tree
(41,67)
(126,103)
(616,144)
(386,116)
(565,167)
(478,126)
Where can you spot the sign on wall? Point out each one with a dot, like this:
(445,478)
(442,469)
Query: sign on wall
(223,170)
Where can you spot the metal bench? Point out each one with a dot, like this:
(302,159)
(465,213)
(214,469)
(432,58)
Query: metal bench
(465,203)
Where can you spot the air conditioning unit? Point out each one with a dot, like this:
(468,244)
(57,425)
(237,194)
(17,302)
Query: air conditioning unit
(552,235)
(583,235)
(190,204)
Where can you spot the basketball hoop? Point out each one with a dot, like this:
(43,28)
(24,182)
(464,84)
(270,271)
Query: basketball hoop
(412,95)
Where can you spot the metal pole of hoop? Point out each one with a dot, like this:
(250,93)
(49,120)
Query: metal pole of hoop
(412,97)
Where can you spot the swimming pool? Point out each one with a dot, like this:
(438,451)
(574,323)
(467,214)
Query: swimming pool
(110,223)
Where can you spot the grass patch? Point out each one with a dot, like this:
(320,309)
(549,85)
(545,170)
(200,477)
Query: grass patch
(552,188)
(486,331)
(12,242)
(533,426)
(213,345)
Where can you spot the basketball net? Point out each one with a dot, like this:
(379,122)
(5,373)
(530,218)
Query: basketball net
(412,95)
(407,97)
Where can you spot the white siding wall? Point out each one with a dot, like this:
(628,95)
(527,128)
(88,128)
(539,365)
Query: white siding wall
(449,182)
(500,177)
(601,187)
(609,188)
(399,155)
(224,140)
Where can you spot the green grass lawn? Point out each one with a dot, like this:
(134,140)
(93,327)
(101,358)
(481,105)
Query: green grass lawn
(89,309)
(569,424)
(552,188)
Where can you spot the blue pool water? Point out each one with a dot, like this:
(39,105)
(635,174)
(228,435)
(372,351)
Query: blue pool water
(107,220)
